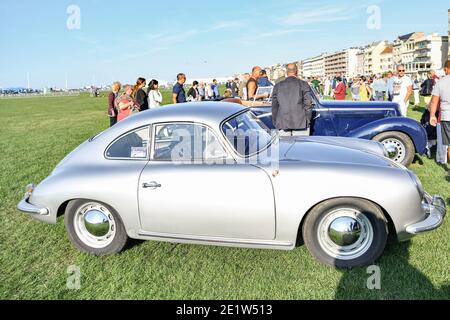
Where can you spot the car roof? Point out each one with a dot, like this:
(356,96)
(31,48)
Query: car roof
(209,113)
(206,112)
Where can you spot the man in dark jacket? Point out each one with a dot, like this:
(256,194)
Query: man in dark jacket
(292,105)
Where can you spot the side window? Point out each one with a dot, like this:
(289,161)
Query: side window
(213,150)
(134,146)
(186,142)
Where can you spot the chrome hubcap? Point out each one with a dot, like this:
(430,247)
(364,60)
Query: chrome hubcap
(345,234)
(344,231)
(95,225)
(396,149)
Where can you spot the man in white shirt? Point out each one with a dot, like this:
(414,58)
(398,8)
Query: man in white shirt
(327,88)
(403,89)
(441,97)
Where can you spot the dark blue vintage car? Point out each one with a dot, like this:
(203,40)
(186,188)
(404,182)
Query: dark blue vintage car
(378,121)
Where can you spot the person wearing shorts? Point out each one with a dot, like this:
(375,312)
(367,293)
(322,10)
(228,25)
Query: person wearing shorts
(441,98)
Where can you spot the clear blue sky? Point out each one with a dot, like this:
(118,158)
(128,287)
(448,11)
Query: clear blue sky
(127,39)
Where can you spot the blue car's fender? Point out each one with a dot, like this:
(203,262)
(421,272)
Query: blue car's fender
(408,126)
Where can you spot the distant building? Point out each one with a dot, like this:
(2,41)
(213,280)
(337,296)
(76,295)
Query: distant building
(372,57)
(430,53)
(421,53)
(300,69)
(343,62)
(448,55)
(318,66)
(387,60)
(403,49)
(360,62)
(307,68)
(279,72)
(369,58)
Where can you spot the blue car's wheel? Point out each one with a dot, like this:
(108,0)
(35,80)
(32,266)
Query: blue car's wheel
(400,147)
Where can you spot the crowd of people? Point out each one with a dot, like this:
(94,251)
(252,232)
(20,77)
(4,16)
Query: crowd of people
(390,86)
(133,99)
(291,101)
(143,96)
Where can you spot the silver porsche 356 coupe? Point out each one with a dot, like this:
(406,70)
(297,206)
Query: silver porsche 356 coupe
(193,174)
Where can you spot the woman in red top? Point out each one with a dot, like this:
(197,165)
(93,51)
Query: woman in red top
(341,90)
(126,105)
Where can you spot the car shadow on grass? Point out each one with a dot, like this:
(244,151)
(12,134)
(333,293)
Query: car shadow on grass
(418,160)
(398,280)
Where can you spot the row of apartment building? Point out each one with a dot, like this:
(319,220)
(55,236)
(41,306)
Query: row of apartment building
(420,53)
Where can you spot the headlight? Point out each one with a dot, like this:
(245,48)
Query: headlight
(418,183)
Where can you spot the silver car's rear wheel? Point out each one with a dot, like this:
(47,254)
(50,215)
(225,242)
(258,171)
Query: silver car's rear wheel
(94,227)
(346,232)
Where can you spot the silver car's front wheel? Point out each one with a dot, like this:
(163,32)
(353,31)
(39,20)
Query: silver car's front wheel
(94,227)
(346,232)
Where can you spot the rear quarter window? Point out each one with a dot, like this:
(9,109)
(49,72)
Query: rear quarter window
(133,145)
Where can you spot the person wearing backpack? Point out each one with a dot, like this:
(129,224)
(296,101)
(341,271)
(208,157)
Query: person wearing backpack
(426,89)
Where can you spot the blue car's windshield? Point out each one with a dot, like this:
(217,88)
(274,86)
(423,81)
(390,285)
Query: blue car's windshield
(247,134)
(315,93)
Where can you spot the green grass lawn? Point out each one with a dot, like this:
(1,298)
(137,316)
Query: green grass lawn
(34,257)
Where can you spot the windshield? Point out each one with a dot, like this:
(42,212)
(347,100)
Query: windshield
(316,93)
(247,134)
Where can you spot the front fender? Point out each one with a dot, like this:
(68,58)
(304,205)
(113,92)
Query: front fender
(405,125)
(300,186)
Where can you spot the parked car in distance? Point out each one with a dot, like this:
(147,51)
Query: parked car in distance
(191,174)
(378,121)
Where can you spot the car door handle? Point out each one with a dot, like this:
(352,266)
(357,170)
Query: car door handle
(151,185)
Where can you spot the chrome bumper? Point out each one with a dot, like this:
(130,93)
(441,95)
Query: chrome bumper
(27,207)
(435,208)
